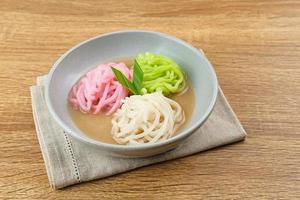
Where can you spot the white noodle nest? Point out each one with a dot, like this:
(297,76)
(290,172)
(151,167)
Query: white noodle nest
(146,119)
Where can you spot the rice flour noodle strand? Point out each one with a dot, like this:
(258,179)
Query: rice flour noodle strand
(99,90)
(161,74)
(146,119)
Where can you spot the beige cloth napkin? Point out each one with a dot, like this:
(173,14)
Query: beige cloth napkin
(69,161)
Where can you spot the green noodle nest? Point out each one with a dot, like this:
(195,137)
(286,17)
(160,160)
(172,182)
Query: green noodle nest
(160,74)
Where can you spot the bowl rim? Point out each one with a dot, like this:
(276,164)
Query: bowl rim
(117,147)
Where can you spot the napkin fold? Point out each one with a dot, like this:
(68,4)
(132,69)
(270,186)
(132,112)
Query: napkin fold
(69,161)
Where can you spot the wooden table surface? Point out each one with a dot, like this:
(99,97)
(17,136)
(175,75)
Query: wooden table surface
(255,49)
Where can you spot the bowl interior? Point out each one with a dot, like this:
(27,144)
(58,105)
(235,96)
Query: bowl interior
(87,55)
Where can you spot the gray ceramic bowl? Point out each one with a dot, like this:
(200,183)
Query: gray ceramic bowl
(86,55)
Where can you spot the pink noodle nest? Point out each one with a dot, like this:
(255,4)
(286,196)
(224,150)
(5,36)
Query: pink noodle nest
(99,90)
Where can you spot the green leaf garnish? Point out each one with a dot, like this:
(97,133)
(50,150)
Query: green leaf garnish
(138,75)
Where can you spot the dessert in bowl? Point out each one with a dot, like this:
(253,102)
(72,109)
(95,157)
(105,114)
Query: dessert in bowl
(132,93)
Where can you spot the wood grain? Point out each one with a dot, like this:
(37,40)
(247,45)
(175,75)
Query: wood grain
(255,49)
